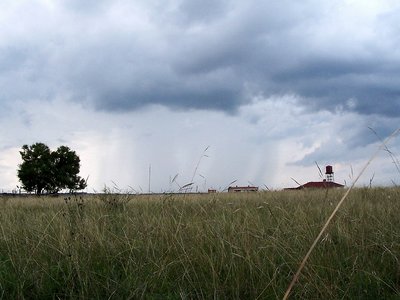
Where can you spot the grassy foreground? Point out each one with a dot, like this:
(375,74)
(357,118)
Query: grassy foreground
(220,246)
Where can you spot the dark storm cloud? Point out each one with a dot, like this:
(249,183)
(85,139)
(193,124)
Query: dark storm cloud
(201,55)
(371,86)
(204,99)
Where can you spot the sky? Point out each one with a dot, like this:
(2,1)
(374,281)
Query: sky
(154,95)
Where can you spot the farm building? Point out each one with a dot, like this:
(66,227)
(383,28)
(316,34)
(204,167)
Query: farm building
(320,184)
(238,189)
(324,184)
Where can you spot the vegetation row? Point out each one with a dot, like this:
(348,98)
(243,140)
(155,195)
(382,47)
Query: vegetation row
(217,246)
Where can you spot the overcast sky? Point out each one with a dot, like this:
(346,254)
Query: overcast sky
(267,87)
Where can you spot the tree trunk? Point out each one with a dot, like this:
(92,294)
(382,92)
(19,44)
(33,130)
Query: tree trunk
(39,190)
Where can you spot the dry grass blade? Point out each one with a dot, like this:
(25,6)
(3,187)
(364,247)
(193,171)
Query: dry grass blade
(296,276)
(226,188)
(395,161)
(188,185)
(198,163)
(299,184)
(321,175)
(40,240)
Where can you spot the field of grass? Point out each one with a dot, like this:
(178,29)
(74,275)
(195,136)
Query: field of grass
(222,246)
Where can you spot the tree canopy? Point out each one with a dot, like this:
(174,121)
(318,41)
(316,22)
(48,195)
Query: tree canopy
(43,170)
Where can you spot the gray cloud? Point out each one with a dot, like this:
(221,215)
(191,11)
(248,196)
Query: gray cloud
(120,56)
(200,11)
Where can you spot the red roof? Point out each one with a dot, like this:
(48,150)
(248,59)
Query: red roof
(321,184)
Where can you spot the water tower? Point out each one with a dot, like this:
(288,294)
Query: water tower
(329,173)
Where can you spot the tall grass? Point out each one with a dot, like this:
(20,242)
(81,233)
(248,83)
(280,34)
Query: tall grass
(222,246)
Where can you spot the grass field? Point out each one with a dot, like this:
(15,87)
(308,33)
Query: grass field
(222,246)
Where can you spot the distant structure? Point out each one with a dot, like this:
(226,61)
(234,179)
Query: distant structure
(239,189)
(329,174)
(320,185)
(211,191)
(327,183)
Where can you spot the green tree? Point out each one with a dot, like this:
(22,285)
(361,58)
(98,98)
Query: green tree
(45,171)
